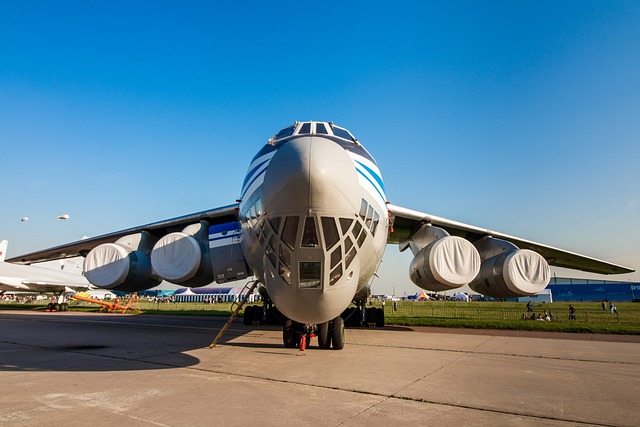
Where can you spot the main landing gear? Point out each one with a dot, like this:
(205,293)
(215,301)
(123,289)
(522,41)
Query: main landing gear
(57,303)
(329,334)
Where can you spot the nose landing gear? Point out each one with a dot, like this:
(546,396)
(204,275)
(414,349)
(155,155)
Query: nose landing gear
(330,334)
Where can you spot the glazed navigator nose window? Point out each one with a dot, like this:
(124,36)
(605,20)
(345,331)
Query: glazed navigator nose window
(310,274)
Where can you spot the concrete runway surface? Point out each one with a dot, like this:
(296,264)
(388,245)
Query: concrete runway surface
(141,370)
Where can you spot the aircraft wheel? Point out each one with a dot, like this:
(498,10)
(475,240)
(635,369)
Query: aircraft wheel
(50,306)
(351,316)
(324,339)
(288,334)
(337,335)
(248,315)
(380,318)
(371,315)
(55,306)
(356,317)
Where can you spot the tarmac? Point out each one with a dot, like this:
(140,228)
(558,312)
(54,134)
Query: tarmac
(77,369)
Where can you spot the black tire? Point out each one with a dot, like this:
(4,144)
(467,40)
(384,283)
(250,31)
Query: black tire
(55,306)
(50,306)
(380,318)
(257,314)
(288,335)
(352,316)
(272,316)
(371,315)
(324,339)
(337,334)
(277,318)
(248,315)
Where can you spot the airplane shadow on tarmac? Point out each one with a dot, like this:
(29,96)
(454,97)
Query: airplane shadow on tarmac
(73,341)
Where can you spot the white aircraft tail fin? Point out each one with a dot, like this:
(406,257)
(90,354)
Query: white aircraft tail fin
(3,249)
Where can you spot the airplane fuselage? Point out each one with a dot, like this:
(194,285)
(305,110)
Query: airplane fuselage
(314,220)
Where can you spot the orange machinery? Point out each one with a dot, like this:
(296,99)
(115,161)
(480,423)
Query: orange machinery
(130,304)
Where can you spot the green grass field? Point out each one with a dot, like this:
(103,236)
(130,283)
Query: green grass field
(480,315)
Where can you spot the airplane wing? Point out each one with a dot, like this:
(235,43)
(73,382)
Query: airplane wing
(158,229)
(406,222)
(49,287)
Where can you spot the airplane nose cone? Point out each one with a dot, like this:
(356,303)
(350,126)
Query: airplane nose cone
(313,180)
(310,172)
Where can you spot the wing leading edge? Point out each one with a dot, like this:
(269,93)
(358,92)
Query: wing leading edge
(158,229)
(406,222)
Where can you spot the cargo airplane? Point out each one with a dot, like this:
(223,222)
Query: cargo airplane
(311,225)
(29,278)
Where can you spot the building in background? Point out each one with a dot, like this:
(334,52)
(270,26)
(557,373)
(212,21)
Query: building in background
(567,289)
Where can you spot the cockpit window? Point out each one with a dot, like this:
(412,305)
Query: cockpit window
(363,208)
(309,234)
(367,221)
(321,128)
(374,226)
(285,132)
(305,128)
(342,133)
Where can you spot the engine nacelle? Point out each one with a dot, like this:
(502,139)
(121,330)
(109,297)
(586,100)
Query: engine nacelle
(446,263)
(116,267)
(183,257)
(513,273)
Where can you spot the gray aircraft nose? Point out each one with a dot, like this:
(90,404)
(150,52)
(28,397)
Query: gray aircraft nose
(310,172)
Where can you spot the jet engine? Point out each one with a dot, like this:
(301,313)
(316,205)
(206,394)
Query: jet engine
(509,272)
(441,261)
(123,265)
(183,257)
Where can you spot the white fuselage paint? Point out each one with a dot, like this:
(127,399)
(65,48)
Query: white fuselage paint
(327,179)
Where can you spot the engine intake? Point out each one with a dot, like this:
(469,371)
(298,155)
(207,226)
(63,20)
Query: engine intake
(116,267)
(446,263)
(182,259)
(509,272)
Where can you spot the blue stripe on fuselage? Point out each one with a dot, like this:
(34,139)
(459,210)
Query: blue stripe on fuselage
(251,172)
(252,181)
(373,174)
(374,186)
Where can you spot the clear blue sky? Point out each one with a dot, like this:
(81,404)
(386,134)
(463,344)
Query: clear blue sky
(522,117)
